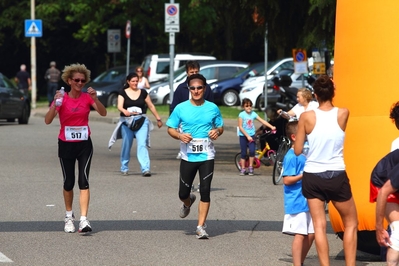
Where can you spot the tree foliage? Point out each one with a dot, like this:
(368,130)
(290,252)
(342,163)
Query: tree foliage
(76,31)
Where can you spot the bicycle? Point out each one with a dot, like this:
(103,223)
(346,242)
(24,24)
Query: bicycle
(267,156)
(285,145)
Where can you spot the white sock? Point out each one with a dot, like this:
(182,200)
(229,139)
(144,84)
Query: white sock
(82,218)
(69,213)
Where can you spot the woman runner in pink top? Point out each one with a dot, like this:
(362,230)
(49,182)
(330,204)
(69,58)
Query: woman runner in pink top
(74,143)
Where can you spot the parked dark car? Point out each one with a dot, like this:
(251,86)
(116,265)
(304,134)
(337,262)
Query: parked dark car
(108,84)
(226,91)
(14,104)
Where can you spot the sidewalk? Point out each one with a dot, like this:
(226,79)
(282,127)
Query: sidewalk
(113,118)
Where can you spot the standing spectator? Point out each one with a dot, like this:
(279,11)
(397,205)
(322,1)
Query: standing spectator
(133,123)
(246,134)
(23,80)
(52,76)
(182,93)
(324,177)
(201,123)
(143,81)
(384,185)
(74,142)
(297,220)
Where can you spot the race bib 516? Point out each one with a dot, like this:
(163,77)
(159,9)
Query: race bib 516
(198,145)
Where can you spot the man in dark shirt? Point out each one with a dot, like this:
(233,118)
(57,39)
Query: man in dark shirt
(52,76)
(182,93)
(384,186)
(23,80)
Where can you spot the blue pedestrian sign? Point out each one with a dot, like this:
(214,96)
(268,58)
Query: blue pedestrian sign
(33,28)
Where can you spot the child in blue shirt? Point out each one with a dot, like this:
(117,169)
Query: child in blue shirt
(246,134)
(297,219)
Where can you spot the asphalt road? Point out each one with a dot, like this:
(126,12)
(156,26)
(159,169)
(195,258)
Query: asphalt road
(136,219)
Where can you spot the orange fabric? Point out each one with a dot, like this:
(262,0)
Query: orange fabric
(366,60)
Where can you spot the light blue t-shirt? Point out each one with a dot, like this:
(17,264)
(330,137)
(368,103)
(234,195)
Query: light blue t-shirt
(248,122)
(294,201)
(198,121)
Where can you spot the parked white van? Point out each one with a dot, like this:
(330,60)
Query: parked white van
(156,66)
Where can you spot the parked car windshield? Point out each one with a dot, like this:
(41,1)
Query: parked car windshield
(111,76)
(255,69)
(5,82)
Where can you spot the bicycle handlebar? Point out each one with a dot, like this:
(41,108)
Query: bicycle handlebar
(267,132)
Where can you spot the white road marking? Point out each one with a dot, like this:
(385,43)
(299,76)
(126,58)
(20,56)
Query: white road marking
(3,258)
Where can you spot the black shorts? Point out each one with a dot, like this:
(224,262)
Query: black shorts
(326,189)
(72,150)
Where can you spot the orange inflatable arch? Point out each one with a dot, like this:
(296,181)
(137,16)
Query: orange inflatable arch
(366,64)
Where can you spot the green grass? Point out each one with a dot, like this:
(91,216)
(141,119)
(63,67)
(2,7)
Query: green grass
(227,112)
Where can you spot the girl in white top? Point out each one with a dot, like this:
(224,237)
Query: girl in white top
(324,176)
(143,81)
(305,103)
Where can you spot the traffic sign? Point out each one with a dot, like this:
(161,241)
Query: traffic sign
(319,68)
(127,30)
(114,41)
(299,55)
(33,28)
(172,17)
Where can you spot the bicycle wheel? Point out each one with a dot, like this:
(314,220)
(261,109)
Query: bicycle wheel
(272,157)
(278,164)
(237,161)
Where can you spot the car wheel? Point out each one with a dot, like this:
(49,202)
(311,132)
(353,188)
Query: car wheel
(23,120)
(112,100)
(260,103)
(166,100)
(230,98)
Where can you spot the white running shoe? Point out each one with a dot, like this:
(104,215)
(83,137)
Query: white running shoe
(201,233)
(84,226)
(69,226)
(184,211)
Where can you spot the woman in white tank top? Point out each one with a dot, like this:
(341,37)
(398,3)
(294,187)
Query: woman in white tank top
(324,177)
(143,81)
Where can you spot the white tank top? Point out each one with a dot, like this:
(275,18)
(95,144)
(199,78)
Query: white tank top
(141,84)
(326,143)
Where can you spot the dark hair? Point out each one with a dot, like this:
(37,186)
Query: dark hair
(129,77)
(324,88)
(394,114)
(196,76)
(290,129)
(192,64)
(246,101)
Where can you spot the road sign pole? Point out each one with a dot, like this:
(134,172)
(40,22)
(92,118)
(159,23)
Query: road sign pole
(33,57)
(172,26)
(127,34)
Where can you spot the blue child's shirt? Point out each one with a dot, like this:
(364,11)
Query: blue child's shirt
(294,201)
